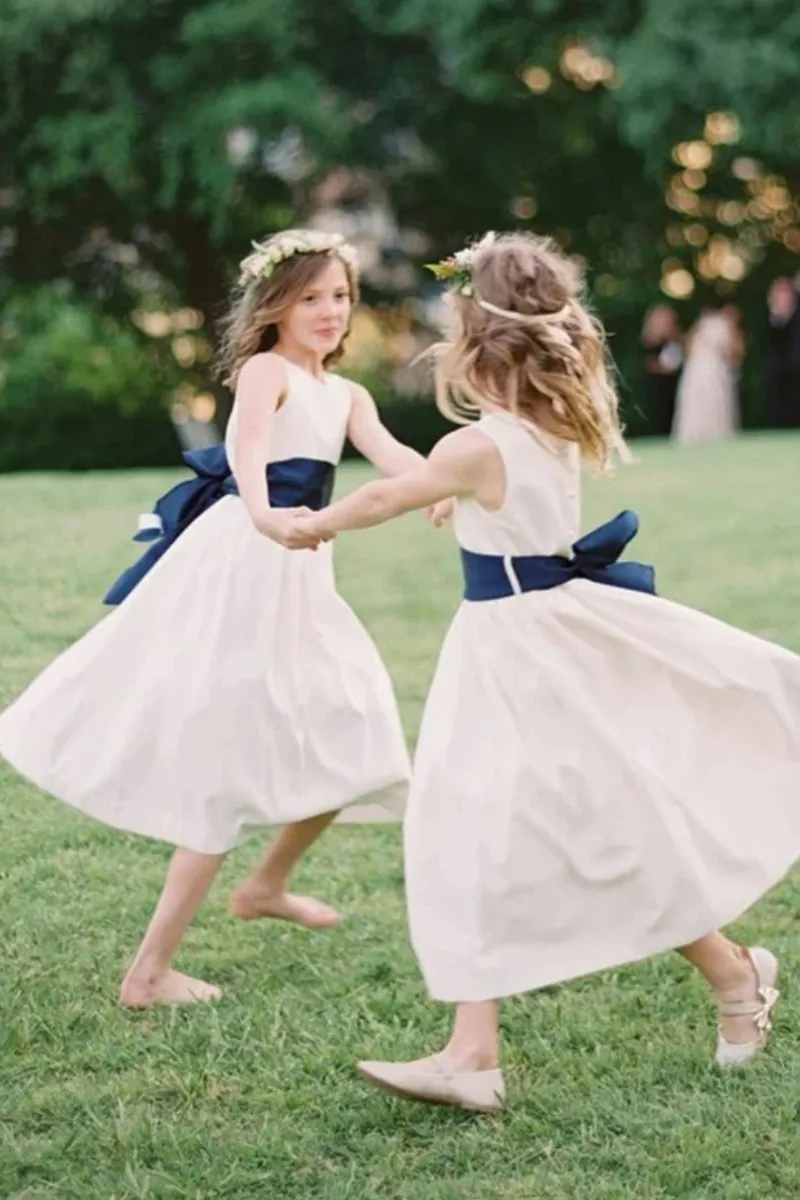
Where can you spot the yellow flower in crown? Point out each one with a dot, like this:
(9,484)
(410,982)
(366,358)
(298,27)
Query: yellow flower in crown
(267,255)
(456,271)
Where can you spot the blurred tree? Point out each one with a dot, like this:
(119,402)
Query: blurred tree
(78,387)
(682,59)
(143,145)
(147,143)
(140,142)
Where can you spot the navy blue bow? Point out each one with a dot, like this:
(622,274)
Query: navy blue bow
(294,482)
(594,557)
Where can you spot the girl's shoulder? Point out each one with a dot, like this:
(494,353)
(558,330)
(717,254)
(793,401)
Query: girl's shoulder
(352,386)
(265,367)
(342,381)
(470,444)
(355,395)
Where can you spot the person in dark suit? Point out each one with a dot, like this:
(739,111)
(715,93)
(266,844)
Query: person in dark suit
(662,341)
(783,354)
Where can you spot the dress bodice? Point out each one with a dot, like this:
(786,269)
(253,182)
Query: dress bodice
(712,339)
(311,423)
(541,510)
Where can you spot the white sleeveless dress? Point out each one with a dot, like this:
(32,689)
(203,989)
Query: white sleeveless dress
(233,688)
(601,774)
(707,405)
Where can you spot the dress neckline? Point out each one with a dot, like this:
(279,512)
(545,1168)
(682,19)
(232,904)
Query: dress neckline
(556,446)
(323,382)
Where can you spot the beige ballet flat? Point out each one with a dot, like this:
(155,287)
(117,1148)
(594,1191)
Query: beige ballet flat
(474,1091)
(736,1054)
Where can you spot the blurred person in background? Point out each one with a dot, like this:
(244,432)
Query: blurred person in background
(783,354)
(662,340)
(707,404)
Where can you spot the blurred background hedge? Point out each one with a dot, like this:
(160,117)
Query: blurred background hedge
(143,147)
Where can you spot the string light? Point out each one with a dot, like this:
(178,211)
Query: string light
(722,128)
(203,408)
(695,155)
(524,207)
(677,283)
(184,351)
(586,69)
(732,212)
(537,79)
(746,169)
(776,197)
(682,200)
(695,234)
(768,210)
(694,179)
(158,324)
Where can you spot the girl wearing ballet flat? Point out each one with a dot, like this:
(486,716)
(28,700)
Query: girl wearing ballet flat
(233,688)
(601,775)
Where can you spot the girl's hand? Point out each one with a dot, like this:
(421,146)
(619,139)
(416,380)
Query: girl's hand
(462,463)
(310,525)
(291,528)
(439,514)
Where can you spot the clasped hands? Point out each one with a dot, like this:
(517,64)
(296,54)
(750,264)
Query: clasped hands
(297,528)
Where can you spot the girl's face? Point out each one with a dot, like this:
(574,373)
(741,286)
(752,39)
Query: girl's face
(320,318)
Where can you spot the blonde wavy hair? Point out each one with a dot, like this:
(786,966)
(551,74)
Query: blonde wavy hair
(258,305)
(528,343)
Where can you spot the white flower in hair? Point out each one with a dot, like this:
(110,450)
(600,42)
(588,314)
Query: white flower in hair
(456,271)
(266,256)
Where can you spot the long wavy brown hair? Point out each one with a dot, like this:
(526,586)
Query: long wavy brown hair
(535,349)
(257,308)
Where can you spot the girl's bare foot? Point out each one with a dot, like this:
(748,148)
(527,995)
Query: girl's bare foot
(169,987)
(251,902)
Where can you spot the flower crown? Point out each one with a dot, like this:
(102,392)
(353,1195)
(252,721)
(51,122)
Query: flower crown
(456,271)
(267,255)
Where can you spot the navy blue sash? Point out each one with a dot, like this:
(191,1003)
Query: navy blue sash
(292,483)
(594,557)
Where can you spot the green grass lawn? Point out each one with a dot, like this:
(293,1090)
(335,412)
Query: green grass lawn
(612,1094)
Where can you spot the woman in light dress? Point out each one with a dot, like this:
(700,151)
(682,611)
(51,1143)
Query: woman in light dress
(707,403)
(233,688)
(601,775)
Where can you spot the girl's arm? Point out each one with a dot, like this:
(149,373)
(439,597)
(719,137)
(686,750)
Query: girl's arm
(463,463)
(371,438)
(259,389)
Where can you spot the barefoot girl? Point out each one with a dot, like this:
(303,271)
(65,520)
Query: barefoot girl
(233,688)
(601,775)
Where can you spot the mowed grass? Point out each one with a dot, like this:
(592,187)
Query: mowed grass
(612,1094)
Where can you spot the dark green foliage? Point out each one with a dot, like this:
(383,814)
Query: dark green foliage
(142,146)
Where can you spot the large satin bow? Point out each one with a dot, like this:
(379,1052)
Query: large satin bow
(594,557)
(174,512)
(293,482)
